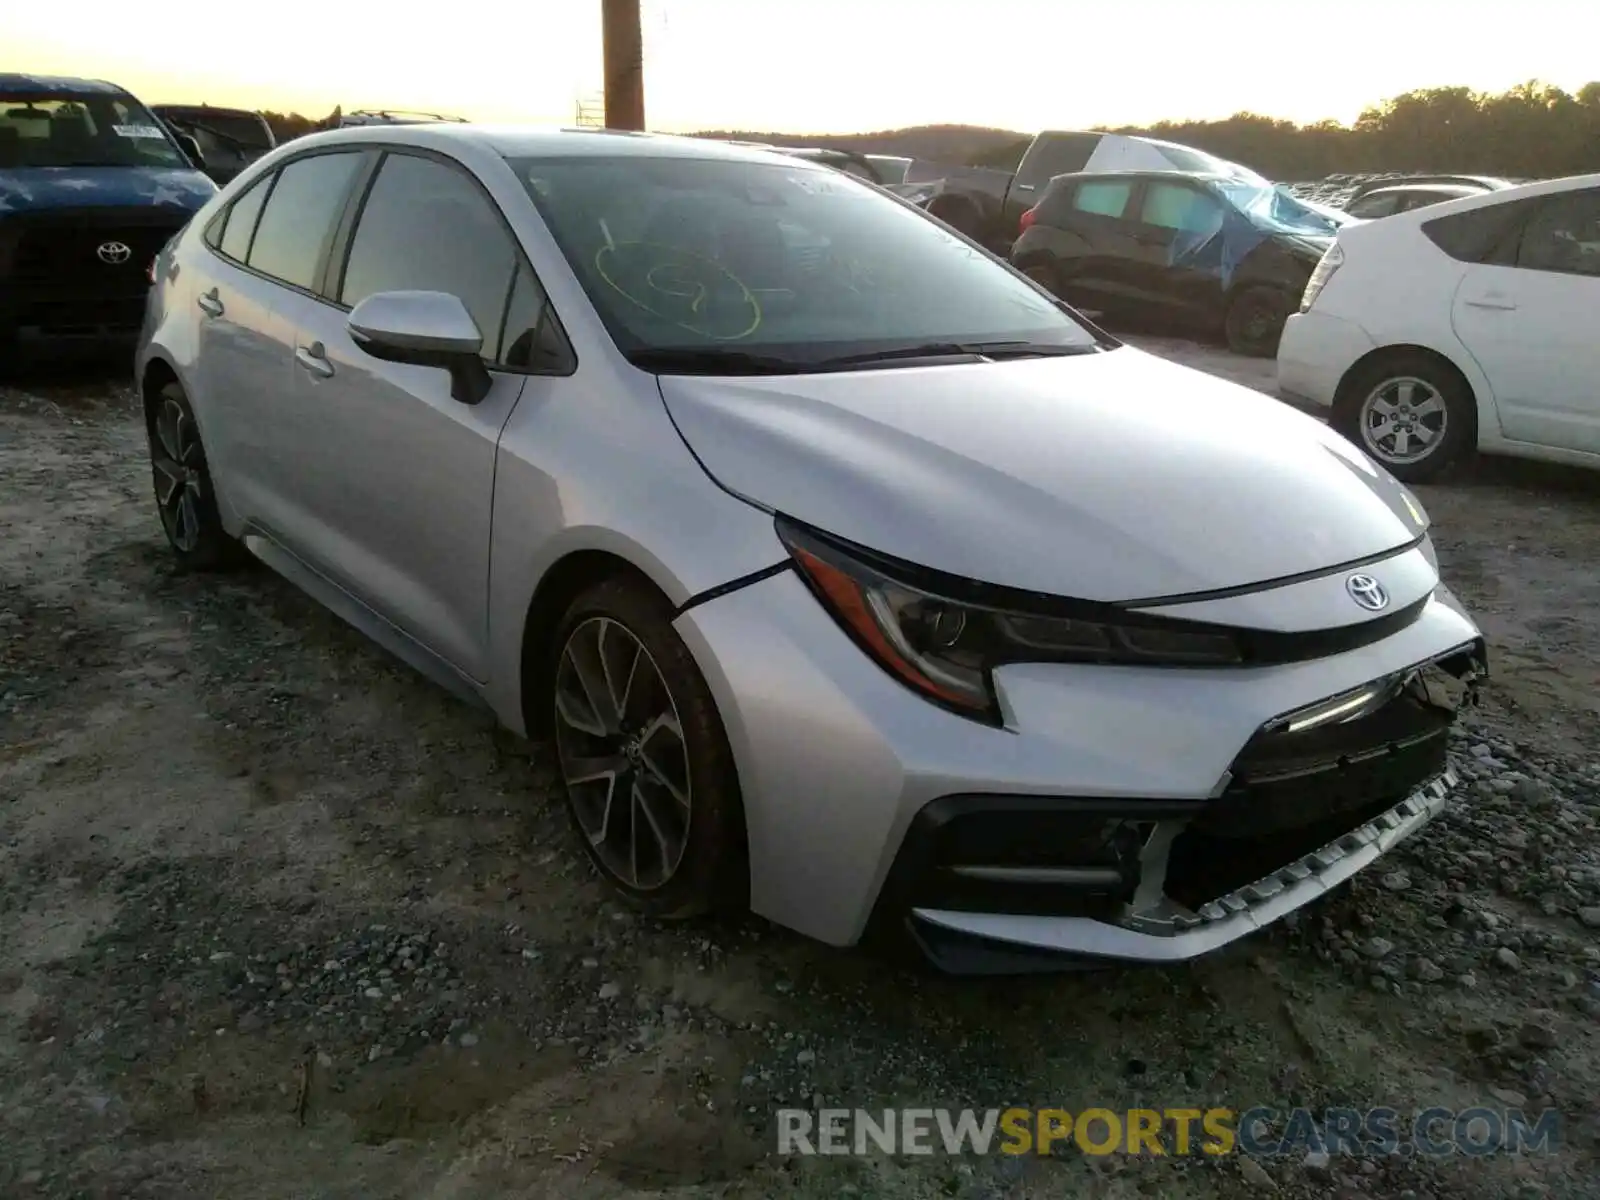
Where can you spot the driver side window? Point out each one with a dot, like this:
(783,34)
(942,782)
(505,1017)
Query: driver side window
(1180,208)
(426,226)
(1563,235)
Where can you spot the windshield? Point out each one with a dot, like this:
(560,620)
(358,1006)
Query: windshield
(88,129)
(791,263)
(1276,209)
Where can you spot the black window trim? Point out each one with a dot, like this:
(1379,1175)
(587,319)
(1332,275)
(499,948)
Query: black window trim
(332,279)
(320,270)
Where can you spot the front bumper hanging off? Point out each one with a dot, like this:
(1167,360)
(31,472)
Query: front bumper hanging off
(996,885)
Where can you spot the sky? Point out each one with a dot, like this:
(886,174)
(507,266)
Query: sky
(812,66)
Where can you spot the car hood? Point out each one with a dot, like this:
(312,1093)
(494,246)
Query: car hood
(1114,476)
(33,189)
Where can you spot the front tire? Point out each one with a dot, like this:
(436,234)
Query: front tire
(1410,413)
(1255,320)
(644,760)
(185,497)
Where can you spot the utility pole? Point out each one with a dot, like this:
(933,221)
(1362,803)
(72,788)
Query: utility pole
(623,38)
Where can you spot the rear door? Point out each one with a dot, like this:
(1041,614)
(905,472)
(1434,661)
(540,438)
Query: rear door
(269,251)
(1096,252)
(1530,323)
(245,340)
(399,481)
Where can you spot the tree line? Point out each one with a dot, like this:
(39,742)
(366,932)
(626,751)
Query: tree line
(1532,131)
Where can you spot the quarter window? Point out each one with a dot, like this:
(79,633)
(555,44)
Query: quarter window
(1563,235)
(300,215)
(1102,199)
(239,222)
(428,227)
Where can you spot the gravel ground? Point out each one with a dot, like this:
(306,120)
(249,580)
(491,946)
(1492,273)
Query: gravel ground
(278,918)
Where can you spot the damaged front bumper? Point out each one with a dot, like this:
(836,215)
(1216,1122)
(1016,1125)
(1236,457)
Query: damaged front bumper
(999,885)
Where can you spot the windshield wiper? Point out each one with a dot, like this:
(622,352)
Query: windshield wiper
(690,360)
(989,350)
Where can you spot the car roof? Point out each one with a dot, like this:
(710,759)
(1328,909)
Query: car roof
(1432,212)
(524,141)
(64,84)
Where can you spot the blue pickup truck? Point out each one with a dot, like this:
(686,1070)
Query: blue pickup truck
(92,185)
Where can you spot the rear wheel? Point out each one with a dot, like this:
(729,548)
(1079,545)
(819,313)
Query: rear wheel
(645,763)
(1410,412)
(185,497)
(1255,320)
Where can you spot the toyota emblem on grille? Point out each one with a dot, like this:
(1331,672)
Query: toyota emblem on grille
(114,253)
(1367,592)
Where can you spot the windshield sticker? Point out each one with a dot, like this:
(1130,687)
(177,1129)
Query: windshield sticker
(139,131)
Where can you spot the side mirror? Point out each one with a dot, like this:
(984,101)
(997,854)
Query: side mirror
(424,329)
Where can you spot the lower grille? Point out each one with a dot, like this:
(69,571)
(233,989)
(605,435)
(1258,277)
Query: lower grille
(1292,789)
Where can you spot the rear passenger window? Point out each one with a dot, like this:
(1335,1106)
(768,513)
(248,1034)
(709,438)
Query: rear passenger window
(1563,235)
(1484,235)
(428,227)
(1102,199)
(239,225)
(300,215)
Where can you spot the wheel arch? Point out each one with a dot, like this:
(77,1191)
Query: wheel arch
(157,374)
(568,577)
(1482,404)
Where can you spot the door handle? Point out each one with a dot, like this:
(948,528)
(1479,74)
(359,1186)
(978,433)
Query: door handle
(1493,303)
(314,359)
(210,303)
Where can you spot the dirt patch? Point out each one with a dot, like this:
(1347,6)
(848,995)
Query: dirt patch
(246,858)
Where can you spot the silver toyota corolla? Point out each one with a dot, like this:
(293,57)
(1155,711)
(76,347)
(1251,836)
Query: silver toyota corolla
(852,576)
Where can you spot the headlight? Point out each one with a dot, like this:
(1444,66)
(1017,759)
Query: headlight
(920,628)
(1320,274)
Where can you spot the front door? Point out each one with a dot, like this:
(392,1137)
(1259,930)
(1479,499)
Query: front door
(400,476)
(1531,326)
(1177,257)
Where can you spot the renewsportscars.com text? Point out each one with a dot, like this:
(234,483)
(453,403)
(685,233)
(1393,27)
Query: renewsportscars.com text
(1258,1132)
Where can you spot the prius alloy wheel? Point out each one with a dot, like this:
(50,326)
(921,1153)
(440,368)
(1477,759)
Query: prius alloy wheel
(644,761)
(184,496)
(1410,413)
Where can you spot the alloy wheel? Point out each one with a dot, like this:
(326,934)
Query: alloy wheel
(622,753)
(1403,420)
(179,466)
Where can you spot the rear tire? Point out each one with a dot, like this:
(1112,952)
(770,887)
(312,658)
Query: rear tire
(1410,412)
(185,497)
(645,764)
(1255,319)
